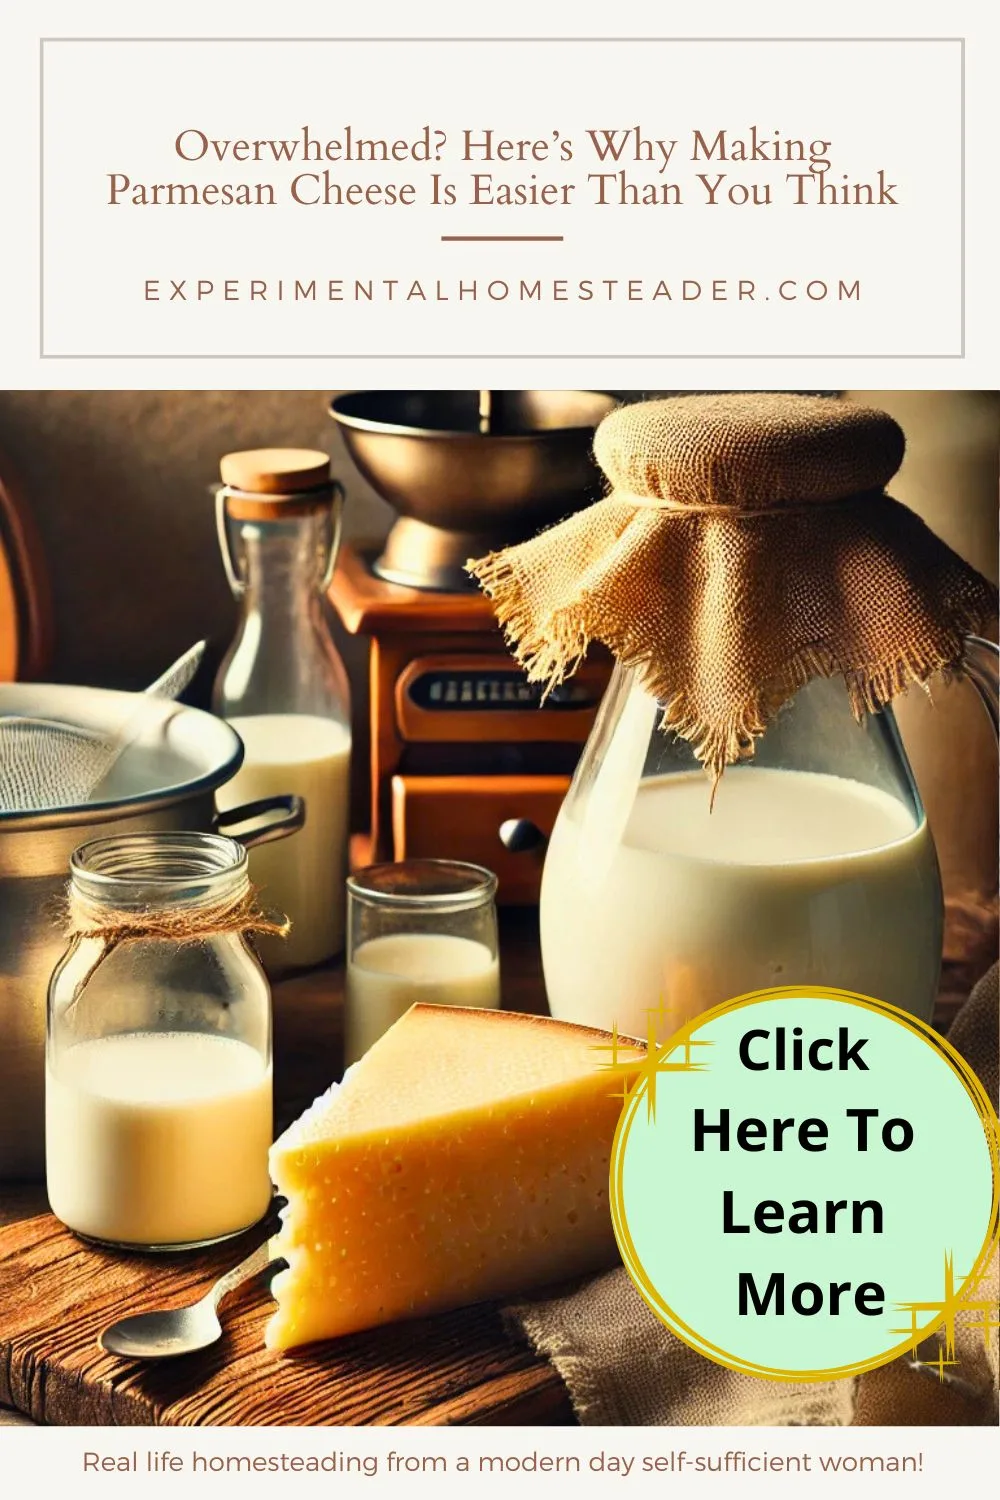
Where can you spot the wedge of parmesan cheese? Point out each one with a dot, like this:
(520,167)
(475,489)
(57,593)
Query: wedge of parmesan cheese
(464,1158)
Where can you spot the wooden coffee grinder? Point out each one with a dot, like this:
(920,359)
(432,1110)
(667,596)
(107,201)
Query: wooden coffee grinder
(466,761)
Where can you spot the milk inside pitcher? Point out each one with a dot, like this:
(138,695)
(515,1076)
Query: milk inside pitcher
(813,865)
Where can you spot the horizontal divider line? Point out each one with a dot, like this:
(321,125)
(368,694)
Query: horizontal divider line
(501,238)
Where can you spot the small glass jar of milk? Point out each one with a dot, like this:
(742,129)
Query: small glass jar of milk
(419,931)
(158,1114)
(283,687)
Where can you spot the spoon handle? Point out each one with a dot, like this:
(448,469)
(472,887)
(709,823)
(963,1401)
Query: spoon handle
(252,1266)
(172,682)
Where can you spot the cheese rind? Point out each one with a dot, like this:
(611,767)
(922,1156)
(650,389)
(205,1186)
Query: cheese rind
(465,1158)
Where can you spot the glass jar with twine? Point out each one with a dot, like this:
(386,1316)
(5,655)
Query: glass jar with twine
(158,1054)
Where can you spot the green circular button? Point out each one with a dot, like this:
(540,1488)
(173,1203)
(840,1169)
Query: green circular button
(804,1184)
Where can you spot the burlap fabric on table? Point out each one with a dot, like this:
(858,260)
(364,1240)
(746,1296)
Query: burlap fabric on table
(746,546)
(621,1366)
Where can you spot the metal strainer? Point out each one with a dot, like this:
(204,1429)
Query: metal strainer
(48,763)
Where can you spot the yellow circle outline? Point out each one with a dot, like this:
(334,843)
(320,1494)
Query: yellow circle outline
(658,1304)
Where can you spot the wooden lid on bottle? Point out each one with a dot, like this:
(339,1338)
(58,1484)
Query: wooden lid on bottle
(271,483)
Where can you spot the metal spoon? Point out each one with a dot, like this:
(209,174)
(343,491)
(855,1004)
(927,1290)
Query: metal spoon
(165,1335)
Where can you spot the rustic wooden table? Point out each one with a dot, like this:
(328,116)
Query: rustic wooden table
(461,1368)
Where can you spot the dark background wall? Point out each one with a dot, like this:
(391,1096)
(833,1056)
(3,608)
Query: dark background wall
(118,481)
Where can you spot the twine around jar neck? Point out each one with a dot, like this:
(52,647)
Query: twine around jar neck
(174,887)
(190,924)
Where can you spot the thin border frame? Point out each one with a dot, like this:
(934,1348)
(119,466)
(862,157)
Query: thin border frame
(458,40)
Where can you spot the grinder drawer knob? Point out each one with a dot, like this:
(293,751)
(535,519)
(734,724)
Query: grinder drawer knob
(520,835)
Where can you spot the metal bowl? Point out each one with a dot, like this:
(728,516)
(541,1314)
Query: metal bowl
(461,492)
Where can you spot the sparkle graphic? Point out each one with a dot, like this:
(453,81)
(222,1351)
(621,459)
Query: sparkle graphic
(944,1313)
(633,1065)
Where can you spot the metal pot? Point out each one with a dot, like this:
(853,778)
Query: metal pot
(176,758)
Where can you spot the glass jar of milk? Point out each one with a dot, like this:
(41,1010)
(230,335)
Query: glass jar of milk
(814,864)
(158,1053)
(283,686)
(421,931)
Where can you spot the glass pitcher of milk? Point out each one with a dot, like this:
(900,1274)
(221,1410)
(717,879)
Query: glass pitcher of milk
(814,865)
(283,686)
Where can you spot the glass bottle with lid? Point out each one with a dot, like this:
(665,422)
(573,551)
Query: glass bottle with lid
(283,687)
(158,1050)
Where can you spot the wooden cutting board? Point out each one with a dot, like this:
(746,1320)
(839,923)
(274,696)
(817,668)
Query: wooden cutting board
(56,1294)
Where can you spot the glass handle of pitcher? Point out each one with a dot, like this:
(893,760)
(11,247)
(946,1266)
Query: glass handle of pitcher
(981,662)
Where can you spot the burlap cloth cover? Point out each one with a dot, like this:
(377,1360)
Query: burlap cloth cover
(621,1366)
(746,546)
